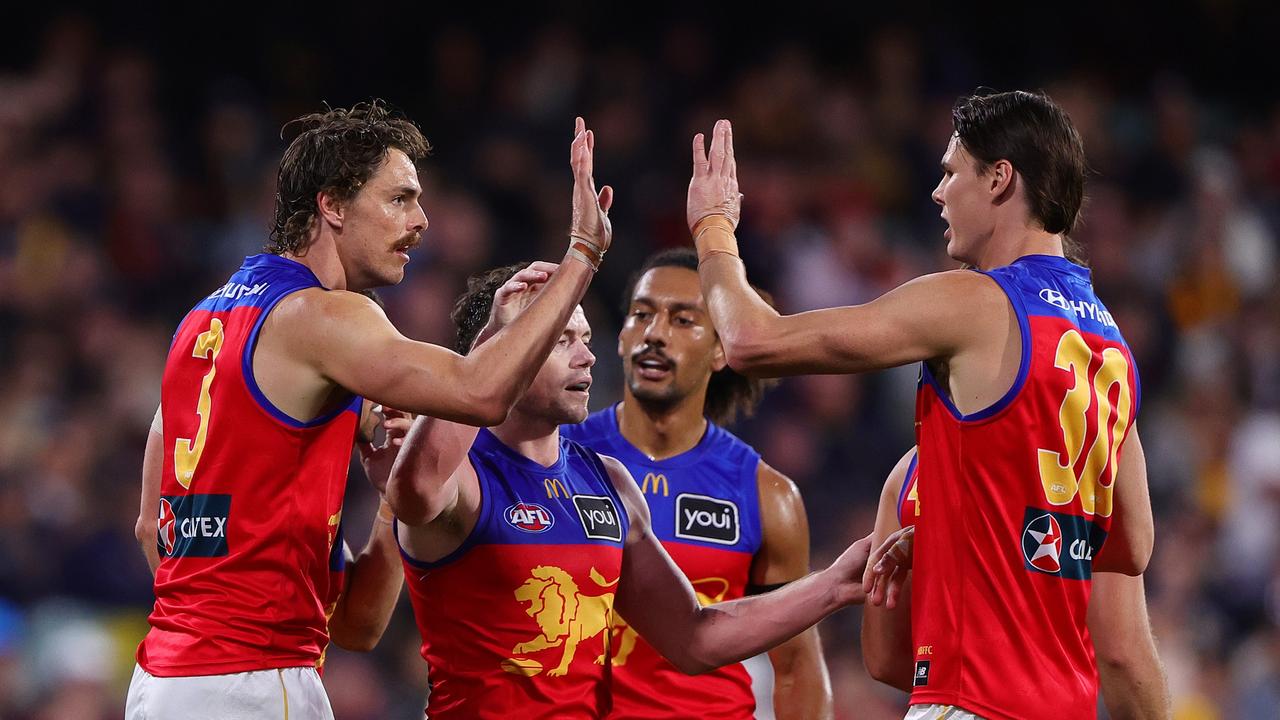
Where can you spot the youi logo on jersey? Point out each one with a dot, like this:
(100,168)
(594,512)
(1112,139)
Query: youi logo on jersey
(699,517)
(193,525)
(529,517)
(1060,544)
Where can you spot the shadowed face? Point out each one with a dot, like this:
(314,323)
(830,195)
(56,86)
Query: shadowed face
(668,346)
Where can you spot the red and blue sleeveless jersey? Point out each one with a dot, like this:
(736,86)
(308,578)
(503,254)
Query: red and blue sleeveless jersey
(909,494)
(250,498)
(705,505)
(1018,501)
(519,621)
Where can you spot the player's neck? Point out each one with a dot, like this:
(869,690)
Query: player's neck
(321,257)
(1008,244)
(531,437)
(662,431)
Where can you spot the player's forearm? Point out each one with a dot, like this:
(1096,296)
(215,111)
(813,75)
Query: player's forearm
(886,645)
(500,370)
(801,685)
(374,579)
(728,632)
(148,513)
(1135,689)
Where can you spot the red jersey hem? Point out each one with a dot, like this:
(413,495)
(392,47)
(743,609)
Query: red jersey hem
(224,668)
(977,708)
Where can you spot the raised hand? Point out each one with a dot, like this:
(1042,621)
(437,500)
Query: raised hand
(713,190)
(590,208)
(515,295)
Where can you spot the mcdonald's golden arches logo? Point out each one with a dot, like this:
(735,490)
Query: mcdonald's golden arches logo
(555,488)
(659,481)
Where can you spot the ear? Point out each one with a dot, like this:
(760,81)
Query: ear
(718,361)
(330,210)
(622,350)
(1001,178)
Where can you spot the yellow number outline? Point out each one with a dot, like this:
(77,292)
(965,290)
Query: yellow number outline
(187,452)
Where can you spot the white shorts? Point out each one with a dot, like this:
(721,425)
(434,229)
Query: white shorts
(939,712)
(286,694)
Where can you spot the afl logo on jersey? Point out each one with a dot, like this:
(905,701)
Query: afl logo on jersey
(529,517)
(164,526)
(1042,544)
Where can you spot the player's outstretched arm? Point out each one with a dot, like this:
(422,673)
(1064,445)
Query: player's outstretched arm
(149,507)
(886,632)
(374,577)
(932,316)
(1128,547)
(347,339)
(1134,685)
(658,601)
(801,684)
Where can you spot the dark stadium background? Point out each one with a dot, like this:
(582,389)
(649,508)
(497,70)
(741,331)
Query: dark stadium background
(137,151)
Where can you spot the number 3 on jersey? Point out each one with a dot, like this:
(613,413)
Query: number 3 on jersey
(1061,480)
(186,452)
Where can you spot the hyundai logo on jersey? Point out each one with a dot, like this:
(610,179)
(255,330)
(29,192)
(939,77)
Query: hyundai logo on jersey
(194,525)
(529,517)
(599,517)
(699,517)
(1060,544)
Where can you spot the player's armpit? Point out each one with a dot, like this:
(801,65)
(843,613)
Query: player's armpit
(932,316)
(1128,547)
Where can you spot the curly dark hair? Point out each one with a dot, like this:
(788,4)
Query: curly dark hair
(730,395)
(337,152)
(471,310)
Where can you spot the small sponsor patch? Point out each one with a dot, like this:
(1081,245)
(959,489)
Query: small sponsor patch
(193,525)
(699,517)
(599,517)
(1060,544)
(922,674)
(529,517)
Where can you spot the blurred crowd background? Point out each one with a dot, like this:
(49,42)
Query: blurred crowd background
(137,163)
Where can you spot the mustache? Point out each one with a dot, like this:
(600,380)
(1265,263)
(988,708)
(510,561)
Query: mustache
(409,242)
(650,352)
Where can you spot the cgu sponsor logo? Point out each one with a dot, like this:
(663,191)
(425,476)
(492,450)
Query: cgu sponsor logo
(1091,310)
(599,517)
(699,517)
(194,525)
(529,517)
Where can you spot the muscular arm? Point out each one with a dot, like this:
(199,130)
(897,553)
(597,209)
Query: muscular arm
(801,686)
(347,340)
(148,511)
(1134,686)
(431,471)
(1128,548)
(886,633)
(660,604)
(930,317)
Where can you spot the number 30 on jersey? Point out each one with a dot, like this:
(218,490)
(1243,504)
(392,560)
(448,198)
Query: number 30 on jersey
(1095,480)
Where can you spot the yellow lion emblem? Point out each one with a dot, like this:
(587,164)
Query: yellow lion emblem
(627,643)
(565,616)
